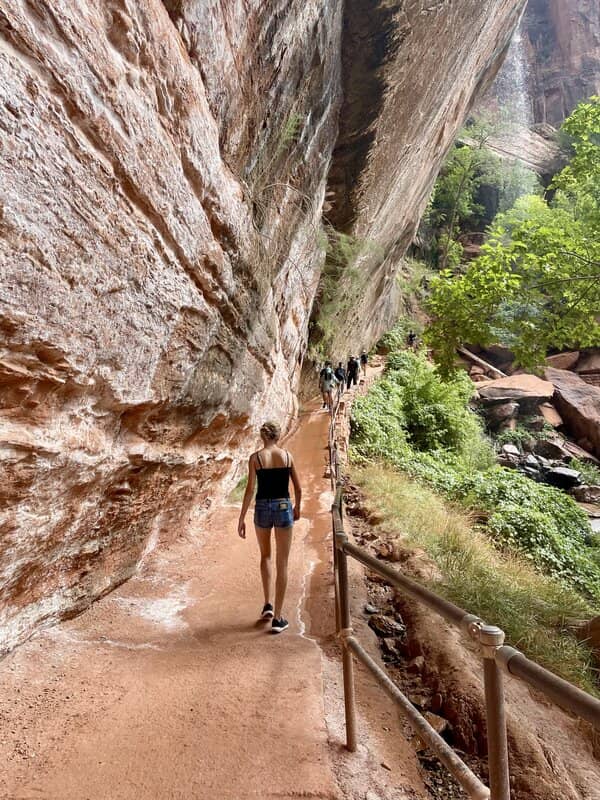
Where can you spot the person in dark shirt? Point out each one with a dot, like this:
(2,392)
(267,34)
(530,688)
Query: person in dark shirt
(271,468)
(340,374)
(327,383)
(352,372)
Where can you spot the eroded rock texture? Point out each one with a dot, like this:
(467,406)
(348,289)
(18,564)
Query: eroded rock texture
(411,71)
(564,40)
(163,173)
(150,310)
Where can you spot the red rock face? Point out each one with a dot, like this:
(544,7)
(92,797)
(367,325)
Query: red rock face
(565,55)
(163,173)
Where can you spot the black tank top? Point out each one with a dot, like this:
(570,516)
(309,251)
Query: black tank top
(273,482)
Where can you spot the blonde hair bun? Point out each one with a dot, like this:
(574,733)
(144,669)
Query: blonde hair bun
(271,430)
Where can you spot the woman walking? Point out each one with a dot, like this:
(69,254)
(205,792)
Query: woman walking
(271,468)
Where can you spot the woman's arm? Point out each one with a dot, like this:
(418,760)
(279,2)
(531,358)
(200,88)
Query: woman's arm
(248,494)
(297,492)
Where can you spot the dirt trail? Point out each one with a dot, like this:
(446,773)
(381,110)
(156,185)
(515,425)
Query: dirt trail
(170,689)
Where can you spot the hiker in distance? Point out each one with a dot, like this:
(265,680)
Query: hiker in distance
(271,468)
(364,359)
(340,374)
(327,383)
(352,371)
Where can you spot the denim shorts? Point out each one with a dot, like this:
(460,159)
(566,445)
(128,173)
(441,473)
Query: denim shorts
(274,513)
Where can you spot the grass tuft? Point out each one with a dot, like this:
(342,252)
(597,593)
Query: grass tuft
(501,587)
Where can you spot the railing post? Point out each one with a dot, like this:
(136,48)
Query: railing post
(346,630)
(490,639)
(336,583)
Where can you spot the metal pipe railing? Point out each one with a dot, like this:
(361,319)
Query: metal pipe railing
(347,663)
(467,779)
(443,607)
(497,657)
(561,692)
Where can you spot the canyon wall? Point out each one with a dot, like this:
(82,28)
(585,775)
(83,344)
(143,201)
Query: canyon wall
(164,168)
(411,72)
(564,54)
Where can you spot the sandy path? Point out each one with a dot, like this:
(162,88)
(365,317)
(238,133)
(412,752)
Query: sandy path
(169,688)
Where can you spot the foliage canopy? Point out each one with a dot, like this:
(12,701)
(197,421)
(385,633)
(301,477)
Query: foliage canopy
(536,284)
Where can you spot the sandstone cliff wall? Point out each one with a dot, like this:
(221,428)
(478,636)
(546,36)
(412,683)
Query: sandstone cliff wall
(411,72)
(564,54)
(163,173)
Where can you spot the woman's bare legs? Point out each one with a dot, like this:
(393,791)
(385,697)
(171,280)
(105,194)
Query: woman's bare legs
(283,544)
(264,542)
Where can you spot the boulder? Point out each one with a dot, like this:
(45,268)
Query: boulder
(552,448)
(439,724)
(579,405)
(563,360)
(550,415)
(527,390)
(512,451)
(592,510)
(386,626)
(389,649)
(532,472)
(578,451)
(587,494)
(501,412)
(589,363)
(532,462)
(562,477)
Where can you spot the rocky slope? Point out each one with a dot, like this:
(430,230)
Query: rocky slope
(163,173)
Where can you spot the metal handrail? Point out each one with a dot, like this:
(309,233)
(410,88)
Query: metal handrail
(498,658)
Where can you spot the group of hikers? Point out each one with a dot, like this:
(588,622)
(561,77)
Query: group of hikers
(341,377)
(271,469)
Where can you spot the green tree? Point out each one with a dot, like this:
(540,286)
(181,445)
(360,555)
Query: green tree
(536,284)
(470,169)
(579,181)
(453,202)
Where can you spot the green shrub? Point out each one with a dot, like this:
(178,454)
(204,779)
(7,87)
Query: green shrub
(436,413)
(589,472)
(522,434)
(541,522)
(536,535)
(396,338)
(421,424)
